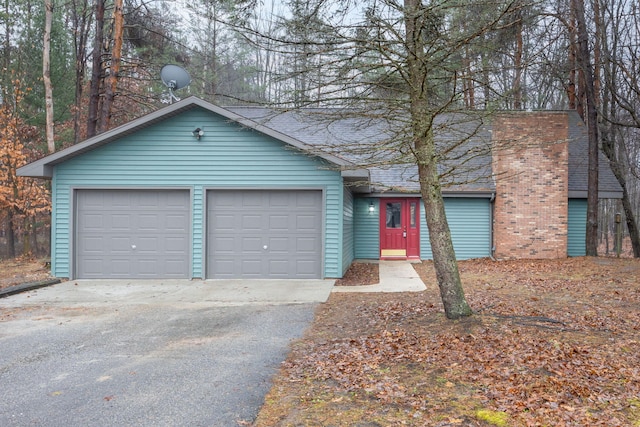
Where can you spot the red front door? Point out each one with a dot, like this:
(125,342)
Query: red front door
(399,228)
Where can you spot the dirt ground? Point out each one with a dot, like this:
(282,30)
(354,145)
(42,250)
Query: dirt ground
(22,270)
(552,343)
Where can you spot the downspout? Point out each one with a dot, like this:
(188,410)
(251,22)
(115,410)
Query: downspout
(492,247)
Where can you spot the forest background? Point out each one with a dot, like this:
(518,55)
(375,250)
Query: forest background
(73,69)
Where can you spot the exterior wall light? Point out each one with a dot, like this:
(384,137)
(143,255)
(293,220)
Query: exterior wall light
(198,133)
(372,208)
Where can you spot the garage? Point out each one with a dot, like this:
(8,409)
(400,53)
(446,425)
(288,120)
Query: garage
(132,234)
(273,234)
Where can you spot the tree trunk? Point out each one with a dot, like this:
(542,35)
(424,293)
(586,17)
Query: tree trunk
(11,235)
(444,259)
(571,84)
(584,64)
(26,240)
(114,69)
(81,23)
(517,80)
(96,71)
(597,53)
(608,146)
(33,235)
(46,74)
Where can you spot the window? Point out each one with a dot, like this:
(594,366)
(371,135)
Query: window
(413,217)
(394,215)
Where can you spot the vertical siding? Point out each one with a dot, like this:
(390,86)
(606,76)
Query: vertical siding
(166,155)
(577,229)
(347,230)
(366,229)
(470,224)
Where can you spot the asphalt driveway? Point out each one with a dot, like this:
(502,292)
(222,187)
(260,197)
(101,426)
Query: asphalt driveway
(178,353)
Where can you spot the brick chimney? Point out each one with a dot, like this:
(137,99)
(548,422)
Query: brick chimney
(530,166)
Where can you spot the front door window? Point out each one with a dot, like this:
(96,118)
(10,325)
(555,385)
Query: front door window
(394,215)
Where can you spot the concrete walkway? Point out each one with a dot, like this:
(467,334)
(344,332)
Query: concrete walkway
(395,276)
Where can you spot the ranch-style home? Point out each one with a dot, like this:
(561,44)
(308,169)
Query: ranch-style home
(195,190)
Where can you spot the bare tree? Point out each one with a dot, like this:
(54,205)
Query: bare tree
(620,101)
(46,74)
(417,74)
(399,64)
(96,69)
(114,64)
(584,62)
(81,18)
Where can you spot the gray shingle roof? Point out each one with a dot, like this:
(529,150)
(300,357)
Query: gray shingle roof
(608,186)
(375,143)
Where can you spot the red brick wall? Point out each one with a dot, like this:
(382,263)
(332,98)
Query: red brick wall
(530,157)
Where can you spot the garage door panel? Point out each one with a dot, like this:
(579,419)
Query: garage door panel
(305,199)
(147,266)
(249,201)
(118,267)
(305,222)
(224,266)
(226,222)
(305,245)
(175,222)
(305,268)
(93,244)
(250,267)
(248,245)
(117,222)
(266,236)
(279,268)
(116,245)
(224,245)
(132,234)
(93,222)
(279,200)
(251,222)
(176,245)
(149,222)
(279,244)
(279,222)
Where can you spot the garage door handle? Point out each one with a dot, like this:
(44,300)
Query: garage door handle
(133,246)
(265,247)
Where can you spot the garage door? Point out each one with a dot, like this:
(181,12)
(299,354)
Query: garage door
(132,234)
(264,234)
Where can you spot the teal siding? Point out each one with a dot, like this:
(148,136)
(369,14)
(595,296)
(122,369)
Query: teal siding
(198,232)
(366,229)
(577,229)
(347,230)
(470,224)
(166,155)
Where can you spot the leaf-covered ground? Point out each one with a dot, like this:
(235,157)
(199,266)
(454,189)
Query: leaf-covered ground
(16,271)
(553,343)
(359,274)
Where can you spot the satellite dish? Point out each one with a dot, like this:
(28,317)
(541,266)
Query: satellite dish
(174,78)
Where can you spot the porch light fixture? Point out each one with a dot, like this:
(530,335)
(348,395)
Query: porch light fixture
(197,132)
(371,207)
